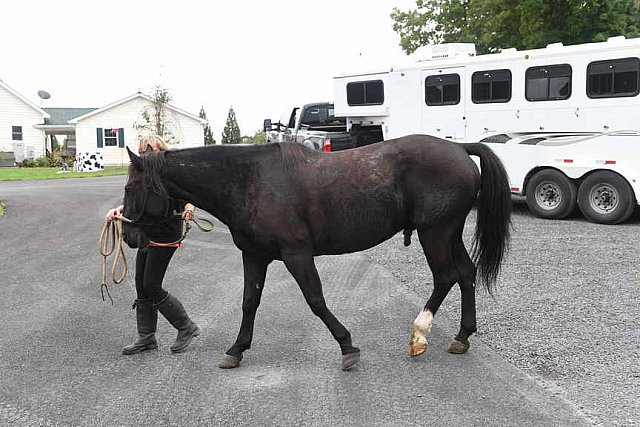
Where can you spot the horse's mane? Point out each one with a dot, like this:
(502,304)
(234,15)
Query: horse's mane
(291,155)
(150,177)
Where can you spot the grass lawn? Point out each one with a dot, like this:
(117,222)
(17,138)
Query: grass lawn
(25,174)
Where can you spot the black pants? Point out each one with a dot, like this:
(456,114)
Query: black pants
(151,265)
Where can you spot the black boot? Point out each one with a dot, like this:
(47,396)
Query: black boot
(146,318)
(172,309)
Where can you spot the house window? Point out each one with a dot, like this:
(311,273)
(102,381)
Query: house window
(548,83)
(613,78)
(491,86)
(442,89)
(365,93)
(16,133)
(111,137)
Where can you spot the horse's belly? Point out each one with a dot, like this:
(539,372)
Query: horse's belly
(353,237)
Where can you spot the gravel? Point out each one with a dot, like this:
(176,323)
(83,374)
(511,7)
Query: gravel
(565,309)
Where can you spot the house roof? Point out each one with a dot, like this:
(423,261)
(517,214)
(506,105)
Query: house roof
(61,116)
(127,99)
(23,99)
(58,120)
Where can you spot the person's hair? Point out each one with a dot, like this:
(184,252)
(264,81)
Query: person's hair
(154,141)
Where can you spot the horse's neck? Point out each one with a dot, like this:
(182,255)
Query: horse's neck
(218,188)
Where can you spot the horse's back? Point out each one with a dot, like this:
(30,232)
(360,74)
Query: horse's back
(355,199)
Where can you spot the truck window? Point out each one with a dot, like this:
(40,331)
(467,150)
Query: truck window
(322,115)
(548,83)
(613,78)
(443,89)
(491,86)
(369,92)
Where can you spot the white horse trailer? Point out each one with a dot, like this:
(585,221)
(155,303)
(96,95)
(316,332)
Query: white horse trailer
(565,120)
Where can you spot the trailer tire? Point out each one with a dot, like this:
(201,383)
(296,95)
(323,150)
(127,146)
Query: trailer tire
(551,195)
(606,198)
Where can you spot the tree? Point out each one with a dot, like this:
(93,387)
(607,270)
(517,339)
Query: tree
(493,25)
(208,136)
(260,137)
(159,121)
(231,132)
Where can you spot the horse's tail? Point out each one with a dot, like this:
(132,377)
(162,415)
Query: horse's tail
(493,226)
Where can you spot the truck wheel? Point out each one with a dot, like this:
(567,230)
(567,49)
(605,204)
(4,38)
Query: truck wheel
(606,198)
(551,195)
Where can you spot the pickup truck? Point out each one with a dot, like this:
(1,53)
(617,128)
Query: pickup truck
(313,125)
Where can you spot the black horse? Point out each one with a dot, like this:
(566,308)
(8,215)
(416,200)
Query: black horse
(286,202)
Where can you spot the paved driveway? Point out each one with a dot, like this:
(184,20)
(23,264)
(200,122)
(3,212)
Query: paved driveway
(60,360)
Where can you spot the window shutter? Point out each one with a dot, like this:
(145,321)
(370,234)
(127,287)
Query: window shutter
(121,138)
(100,139)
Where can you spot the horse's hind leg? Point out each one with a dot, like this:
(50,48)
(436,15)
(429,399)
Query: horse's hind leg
(302,267)
(438,248)
(466,280)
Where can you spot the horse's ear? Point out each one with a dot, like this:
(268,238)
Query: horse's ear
(148,149)
(135,160)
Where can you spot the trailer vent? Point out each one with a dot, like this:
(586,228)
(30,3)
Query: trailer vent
(444,51)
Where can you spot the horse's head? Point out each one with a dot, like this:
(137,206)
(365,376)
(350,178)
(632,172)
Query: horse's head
(145,199)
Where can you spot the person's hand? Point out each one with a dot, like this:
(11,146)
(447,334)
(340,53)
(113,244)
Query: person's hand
(114,213)
(187,214)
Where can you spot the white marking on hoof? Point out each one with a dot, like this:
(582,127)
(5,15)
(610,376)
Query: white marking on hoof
(421,326)
(423,321)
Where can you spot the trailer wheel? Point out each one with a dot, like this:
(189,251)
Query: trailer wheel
(551,195)
(606,198)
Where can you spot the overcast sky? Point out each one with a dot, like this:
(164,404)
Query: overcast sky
(258,56)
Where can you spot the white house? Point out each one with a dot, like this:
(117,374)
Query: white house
(18,137)
(105,133)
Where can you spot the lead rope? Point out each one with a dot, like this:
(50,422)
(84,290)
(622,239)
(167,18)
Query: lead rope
(110,241)
(186,229)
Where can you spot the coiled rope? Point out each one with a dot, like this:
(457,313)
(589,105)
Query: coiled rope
(111,239)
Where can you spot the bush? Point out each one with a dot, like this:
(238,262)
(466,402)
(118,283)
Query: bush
(27,163)
(41,162)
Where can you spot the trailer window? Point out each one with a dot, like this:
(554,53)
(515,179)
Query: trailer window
(548,83)
(613,78)
(365,93)
(491,86)
(442,89)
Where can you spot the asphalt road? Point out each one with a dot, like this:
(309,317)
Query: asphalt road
(61,365)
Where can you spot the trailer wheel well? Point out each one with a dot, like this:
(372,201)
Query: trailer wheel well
(576,181)
(591,172)
(534,171)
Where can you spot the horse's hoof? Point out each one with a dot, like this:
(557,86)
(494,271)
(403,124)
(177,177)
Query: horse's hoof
(229,362)
(350,360)
(417,346)
(458,347)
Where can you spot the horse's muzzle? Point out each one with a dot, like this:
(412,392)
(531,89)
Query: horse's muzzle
(133,236)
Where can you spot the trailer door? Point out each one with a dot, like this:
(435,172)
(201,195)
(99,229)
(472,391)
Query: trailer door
(443,103)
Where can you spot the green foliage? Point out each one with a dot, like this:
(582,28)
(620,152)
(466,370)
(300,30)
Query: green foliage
(231,132)
(158,121)
(208,135)
(493,25)
(259,137)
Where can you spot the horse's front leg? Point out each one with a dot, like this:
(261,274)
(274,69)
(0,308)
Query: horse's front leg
(302,267)
(255,271)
